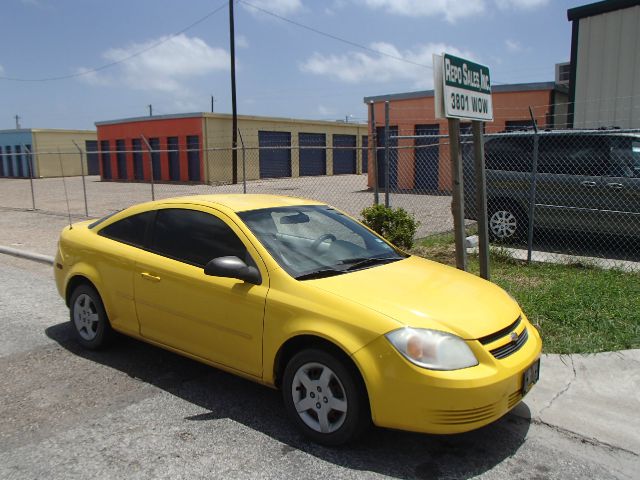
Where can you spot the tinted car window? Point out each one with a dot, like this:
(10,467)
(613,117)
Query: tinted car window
(573,154)
(625,157)
(511,153)
(194,237)
(130,230)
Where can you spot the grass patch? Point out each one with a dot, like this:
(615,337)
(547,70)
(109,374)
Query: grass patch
(578,308)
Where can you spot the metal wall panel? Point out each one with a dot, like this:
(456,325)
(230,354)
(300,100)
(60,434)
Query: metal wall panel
(393,157)
(427,158)
(608,70)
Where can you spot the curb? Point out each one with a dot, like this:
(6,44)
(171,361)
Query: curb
(36,257)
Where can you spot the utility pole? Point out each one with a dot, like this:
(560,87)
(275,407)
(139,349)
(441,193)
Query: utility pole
(17,117)
(234,111)
(213,100)
(150,110)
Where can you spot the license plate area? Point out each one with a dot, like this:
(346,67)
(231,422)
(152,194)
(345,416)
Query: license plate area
(530,377)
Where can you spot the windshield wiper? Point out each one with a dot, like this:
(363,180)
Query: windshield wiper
(355,263)
(320,273)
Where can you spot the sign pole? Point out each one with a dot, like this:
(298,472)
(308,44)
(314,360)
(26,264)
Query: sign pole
(457,202)
(481,199)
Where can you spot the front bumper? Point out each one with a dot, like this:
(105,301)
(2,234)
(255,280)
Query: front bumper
(407,397)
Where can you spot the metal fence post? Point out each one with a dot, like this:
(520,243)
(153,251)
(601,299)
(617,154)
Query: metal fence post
(481,199)
(30,165)
(457,202)
(244,164)
(532,193)
(374,141)
(84,186)
(153,189)
(386,153)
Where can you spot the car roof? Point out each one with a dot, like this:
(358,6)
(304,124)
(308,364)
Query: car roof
(241,202)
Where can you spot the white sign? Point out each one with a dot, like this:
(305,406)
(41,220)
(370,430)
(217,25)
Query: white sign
(462,89)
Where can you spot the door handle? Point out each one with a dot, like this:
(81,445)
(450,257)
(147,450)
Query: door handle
(151,278)
(615,186)
(588,184)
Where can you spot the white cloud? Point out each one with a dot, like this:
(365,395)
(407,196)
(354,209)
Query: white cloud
(450,9)
(164,68)
(354,67)
(326,111)
(279,7)
(520,4)
(242,41)
(513,46)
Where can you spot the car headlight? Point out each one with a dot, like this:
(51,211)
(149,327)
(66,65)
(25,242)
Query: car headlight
(432,349)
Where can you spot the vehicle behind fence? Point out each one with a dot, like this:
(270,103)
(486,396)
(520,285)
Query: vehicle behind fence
(564,192)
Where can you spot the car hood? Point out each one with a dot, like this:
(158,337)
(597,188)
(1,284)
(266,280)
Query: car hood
(423,294)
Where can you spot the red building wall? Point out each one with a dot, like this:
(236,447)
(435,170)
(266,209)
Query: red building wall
(151,128)
(407,113)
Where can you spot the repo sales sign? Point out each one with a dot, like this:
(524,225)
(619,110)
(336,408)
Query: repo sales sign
(467,89)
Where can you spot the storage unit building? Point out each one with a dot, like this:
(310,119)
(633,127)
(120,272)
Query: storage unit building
(196,147)
(426,167)
(40,153)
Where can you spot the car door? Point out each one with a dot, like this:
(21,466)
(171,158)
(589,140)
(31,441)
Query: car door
(620,188)
(569,181)
(214,318)
(113,255)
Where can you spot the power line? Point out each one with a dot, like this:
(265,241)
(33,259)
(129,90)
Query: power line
(122,60)
(334,37)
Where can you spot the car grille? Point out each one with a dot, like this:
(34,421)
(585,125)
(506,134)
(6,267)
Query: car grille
(462,417)
(510,347)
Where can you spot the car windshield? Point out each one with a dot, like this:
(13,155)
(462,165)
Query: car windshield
(625,158)
(317,241)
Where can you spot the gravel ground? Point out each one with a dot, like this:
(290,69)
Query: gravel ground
(347,192)
(136,411)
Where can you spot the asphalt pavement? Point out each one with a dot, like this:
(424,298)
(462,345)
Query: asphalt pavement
(137,411)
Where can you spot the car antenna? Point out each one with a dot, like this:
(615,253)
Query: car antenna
(66,195)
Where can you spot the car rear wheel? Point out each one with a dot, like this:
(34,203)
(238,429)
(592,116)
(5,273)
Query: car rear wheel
(89,319)
(325,398)
(505,223)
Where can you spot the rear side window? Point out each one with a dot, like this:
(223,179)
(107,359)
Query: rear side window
(130,230)
(510,153)
(194,237)
(625,157)
(574,154)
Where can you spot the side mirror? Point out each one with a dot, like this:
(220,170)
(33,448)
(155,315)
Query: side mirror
(233,267)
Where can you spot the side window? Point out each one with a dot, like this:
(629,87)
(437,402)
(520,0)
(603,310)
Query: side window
(130,230)
(194,237)
(510,153)
(625,157)
(574,155)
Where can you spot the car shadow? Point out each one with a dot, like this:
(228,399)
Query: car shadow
(222,395)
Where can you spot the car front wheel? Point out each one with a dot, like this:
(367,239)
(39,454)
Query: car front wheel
(505,223)
(325,398)
(89,319)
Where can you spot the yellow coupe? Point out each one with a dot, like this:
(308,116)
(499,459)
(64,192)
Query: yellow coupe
(298,296)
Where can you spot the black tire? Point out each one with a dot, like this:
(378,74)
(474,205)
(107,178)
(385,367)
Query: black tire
(345,385)
(89,318)
(506,222)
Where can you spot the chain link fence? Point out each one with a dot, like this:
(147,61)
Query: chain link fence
(561,193)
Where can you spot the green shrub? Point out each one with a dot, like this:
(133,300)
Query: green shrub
(396,225)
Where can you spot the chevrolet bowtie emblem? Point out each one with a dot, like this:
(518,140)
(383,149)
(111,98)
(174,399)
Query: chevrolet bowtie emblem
(514,337)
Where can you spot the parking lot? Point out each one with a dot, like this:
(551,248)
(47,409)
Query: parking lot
(137,411)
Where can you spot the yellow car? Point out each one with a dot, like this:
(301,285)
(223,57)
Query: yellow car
(298,296)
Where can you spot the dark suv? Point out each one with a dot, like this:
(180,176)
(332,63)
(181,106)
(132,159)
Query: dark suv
(585,181)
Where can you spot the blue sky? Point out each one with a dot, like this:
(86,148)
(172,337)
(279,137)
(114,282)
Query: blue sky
(282,69)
